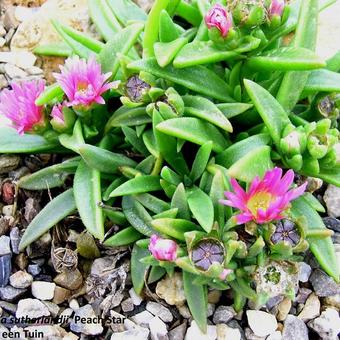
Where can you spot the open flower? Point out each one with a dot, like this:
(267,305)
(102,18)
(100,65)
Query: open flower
(83,82)
(266,199)
(219,18)
(163,249)
(276,8)
(18,105)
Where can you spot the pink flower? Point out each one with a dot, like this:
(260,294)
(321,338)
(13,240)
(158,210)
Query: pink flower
(225,273)
(219,17)
(276,8)
(83,82)
(18,105)
(57,113)
(163,249)
(266,199)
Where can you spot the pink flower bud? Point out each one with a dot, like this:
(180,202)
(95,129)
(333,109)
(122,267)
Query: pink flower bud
(225,273)
(219,17)
(57,114)
(276,8)
(163,249)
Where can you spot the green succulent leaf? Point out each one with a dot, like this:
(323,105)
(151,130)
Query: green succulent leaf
(123,237)
(138,269)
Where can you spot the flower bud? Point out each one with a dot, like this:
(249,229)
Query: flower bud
(163,249)
(276,8)
(249,13)
(63,118)
(220,19)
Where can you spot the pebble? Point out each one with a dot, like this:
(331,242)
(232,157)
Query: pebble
(2,30)
(90,327)
(15,72)
(139,333)
(43,290)
(8,162)
(7,306)
(327,325)
(34,71)
(303,295)
(21,279)
(261,323)
(65,316)
(159,310)
(178,332)
(194,333)
(15,239)
(223,314)
(2,42)
(332,301)
(5,269)
(52,307)
(214,296)
(69,279)
(224,332)
(10,293)
(332,200)
(142,319)
(5,248)
(332,223)
(136,299)
(323,284)
(171,290)
(158,329)
(9,20)
(311,309)
(250,335)
(283,309)
(304,271)
(294,328)
(184,311)
(74,304)
(7,210)
(3,82)
(21,59)
(32,308)
(277,335)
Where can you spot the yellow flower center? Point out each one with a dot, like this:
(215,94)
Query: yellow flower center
(261,201)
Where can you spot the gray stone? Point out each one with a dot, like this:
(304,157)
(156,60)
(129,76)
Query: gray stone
(7,210)
(32,308)
(2,30)
(223,314)
(235,324)
(136,299)
(34,269)
(294,328)
(5,269)
(21,59)
(158,310)
(250,335)
(332,301)
(9,307)
(261,323)
(178,332)
(303,295)
(158,330)
(21,279)
(2,42)
(10,293)
(277,335)
(304,271)
(5,247)
(327,325)
(90,327)
(15,239)
(15,72)
(210,309)
(194,333)
(8,162)
(224,332)
(127,305)
(283,309)
(142,319)
(332,223)
(323,284)
(332,200)
(43,290)
(139,333)
(311,309)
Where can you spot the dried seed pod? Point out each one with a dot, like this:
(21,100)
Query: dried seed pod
(136,88)
(64,259)
(286,232)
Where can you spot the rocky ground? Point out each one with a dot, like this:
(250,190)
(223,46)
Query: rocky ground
(67,276)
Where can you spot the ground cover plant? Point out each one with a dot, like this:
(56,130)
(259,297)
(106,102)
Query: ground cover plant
(193,129)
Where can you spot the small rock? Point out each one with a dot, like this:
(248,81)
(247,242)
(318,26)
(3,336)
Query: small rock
(274,301)
(52,307)
(32,208)
(250,335)
(74,304)
(127,305)
(21,59)
(5,269)
(184,311)
(275,336)
(139,333)
(158,310)
(283,309)
(21,279)
(10,293)
(2,42)
(60,295)
(303,295)
(313,184)
(294,328)
(90,327)
(5,223)
(327,325)
(304,271)
(311,309)
(214,296)
(225,332)
(223,314)
(34,71)
(332,223)
(171,290)
(5,248)
(261,323)
(71,280)
(7,210)
(32,308)
(65,317)
(178,332)
(14,72)
(9,20)
(323,284)
(2,30)
(332,200)
(119,324)
(158,330)
(136,299)
(34,269)
(8,162)
(9,307)
(210,310)
(43,290)
(3,82)
(15,239)
(194,333)
(332,301)
(142,319)
(21,261)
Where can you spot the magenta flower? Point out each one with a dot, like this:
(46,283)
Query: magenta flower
(276,8)
(219,17)
(266,199)
(57,114)
(163,249)
(83,82)
(18,105)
